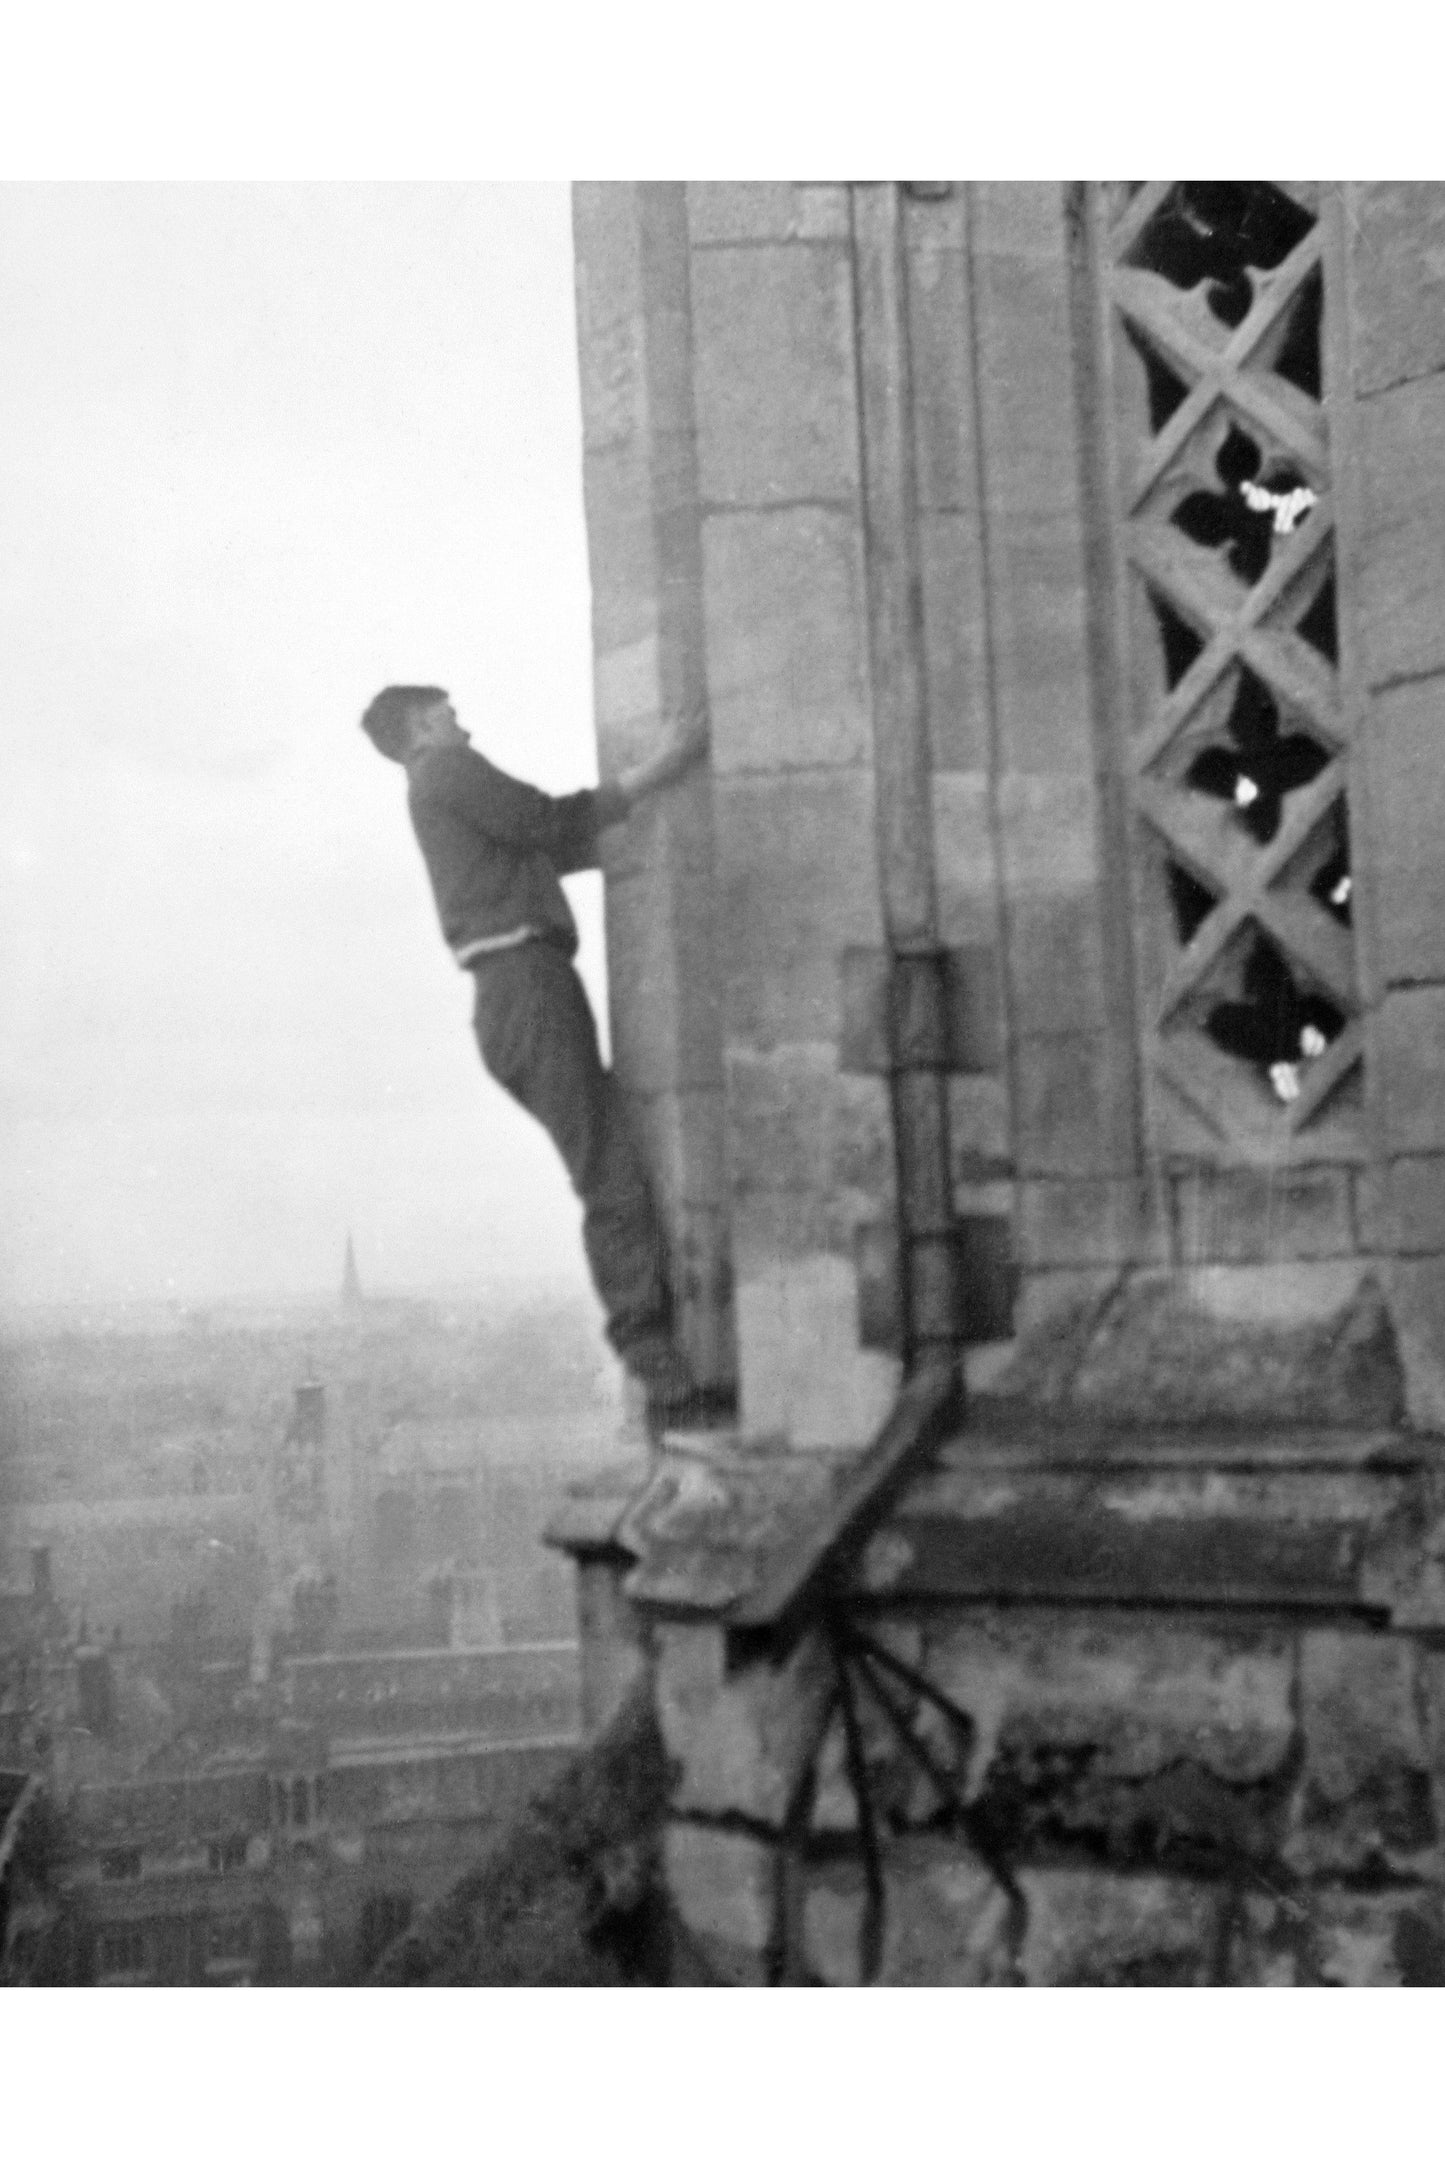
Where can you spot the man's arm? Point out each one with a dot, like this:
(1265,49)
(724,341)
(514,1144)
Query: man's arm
(681,750)
(564,829)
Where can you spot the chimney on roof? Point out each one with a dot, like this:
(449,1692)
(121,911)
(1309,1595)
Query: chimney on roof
(351,1295)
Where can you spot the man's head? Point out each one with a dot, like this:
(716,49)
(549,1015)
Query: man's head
(404,719)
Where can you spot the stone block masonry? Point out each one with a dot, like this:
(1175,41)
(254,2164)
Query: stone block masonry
(640,473)
(858,461)
(724,333)
(1396,427)
(1149,1802)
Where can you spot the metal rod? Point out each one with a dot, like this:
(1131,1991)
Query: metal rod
(940,1778)
(913,1678)
(870,1933)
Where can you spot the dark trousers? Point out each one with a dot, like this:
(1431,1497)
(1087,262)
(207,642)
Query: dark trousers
(538,1039)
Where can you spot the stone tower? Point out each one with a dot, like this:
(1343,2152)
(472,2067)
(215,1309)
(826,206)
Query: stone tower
(1052,954)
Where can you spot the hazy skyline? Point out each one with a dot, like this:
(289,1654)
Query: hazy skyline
(264,448)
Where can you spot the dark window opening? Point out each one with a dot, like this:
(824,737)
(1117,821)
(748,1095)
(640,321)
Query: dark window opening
(1255,503)
(1298,359)
(1258,771)
(121,1866)
(1219,231)
(1276,1026)
(1191,900)
(228,1855)
(300,1803)
(1317,626)
(1180,643)
(1167,391)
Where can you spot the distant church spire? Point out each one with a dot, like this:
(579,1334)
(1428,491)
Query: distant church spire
(351,1295)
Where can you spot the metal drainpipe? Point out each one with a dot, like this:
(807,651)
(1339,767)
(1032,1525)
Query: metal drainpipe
(932,1306)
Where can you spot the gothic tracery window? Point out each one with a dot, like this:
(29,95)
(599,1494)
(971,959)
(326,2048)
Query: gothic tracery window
(1235,761)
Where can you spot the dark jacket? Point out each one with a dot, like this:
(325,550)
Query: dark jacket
(494,848)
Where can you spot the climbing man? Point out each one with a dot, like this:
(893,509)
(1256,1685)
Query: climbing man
(495,850)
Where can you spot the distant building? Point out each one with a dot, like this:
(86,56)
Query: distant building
(351,1295)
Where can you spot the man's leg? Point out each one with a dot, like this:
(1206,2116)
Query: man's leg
(538,1039)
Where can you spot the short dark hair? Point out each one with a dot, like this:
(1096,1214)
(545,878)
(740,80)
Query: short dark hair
(387,721)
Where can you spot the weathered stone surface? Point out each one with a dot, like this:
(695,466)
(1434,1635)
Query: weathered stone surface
(1036,570)
(621,546)
(1152,1742)
(1416,1289)
(786,614)
(1409,1061)
(1090,1222)
(1407,1208)
(708,1523)
(1162,1348)
(1383,1938)
(1065,1120)
(1364,1800)
(1402,554)
(979,1131)
(955,639)
(941,333)
(1026,385)
(720,211)
(1093,1929)
(1049,832)
(1309,1937)
(804,1371)
(796,862)
(773,1227)
(726,1890)
(775,388)
(1040,1521)
(743,1740)
(666,1025)
(965,866)
(1270,1941)
(796,1122)
(610,323)
(1023,219)
(1049,869)
(1248,1215)
(947,1921)
(1407,805)
(1398,270)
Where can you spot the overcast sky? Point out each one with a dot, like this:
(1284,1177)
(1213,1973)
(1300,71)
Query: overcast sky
(264,448)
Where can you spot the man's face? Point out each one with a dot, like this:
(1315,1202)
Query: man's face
(435,725)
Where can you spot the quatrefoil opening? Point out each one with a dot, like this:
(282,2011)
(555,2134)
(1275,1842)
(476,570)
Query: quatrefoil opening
(1276,1025)
(1256,501)
(1260,765)
(1222,235)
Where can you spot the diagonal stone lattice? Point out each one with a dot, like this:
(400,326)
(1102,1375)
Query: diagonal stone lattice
(1229,384)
